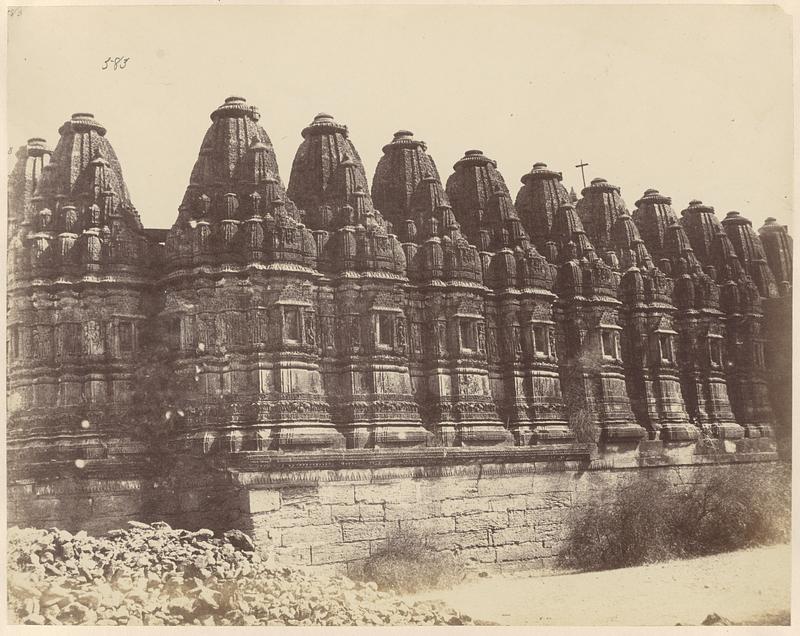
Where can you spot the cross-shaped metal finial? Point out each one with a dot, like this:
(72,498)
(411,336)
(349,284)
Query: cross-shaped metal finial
(582,165)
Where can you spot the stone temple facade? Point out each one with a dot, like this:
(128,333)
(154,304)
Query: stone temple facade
(376,317)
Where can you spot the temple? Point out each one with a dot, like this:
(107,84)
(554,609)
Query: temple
(341,321)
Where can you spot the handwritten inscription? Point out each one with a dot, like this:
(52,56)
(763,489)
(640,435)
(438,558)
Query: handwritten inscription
(115,63)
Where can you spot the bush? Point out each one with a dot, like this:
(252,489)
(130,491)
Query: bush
(733,509)
(630,529)
(647,520)
(408,562)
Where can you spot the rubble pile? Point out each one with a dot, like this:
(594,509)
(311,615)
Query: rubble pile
(154,575)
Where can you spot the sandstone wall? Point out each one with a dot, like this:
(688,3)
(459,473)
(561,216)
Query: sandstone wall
(498,516)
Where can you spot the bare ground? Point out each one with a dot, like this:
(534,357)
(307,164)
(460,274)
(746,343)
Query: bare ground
(746,587)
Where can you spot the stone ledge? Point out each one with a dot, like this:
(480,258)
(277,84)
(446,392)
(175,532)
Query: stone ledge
(427,462)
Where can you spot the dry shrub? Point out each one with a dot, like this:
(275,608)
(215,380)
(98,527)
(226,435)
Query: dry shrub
(630,529)
(648,519)
(408,562)
(734,507)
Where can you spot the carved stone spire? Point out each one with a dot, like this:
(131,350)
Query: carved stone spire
(599,208)
(236,157)
(472,184)
(701,225)
(235,208)
(750,251)
(23,180)
(569,237)
(538,201)
(778,249)
(628,245)
(82,156)
(319,158)
(403,165)
(653,216)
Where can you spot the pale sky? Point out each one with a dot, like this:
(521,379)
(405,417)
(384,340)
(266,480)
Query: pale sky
(694,101)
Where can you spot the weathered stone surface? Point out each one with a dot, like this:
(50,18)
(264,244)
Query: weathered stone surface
(520,534)
(522,551)
(465,506)
(336,493)
(441,525)
(493,486)
(479,554)
(396,492)
(481,521)
(459,540)
(331,533)
(366,530)
(278,355)
(339,553)
(263,501)
(413,511)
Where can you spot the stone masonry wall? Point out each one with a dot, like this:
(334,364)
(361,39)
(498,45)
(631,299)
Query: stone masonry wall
(499,517)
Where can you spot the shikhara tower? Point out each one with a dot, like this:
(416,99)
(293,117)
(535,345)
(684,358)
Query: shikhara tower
(403,312)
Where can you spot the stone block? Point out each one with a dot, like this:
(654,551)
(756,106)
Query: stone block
(296,555)
(366,530)
(346,512)
(285,517)
(412,511)
(548,500)
(513,502)
(517,518)
(552,516)
(449,488)
(519,534)
(452,507)
(438,525)
(481,521)
(104,505)
(389,492)
(263,500)
(460,540)
(550,533)
(479,555)
(317,514)
(560,481)
(338,553)
(336,493)
(372,512)
(502,486)
(521,551)
(37,509)
(331,533)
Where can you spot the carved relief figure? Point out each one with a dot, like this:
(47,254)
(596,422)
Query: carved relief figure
(354,329)
(401,333)
(439,338)
(415,338)
(309,320)
(92,338)
(36,346)
(481,337)
(491,347)
(328,334)
(517,341)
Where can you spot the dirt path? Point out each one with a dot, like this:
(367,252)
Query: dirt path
(740,586)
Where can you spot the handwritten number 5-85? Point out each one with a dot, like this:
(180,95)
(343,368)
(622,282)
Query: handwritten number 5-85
(115,63)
